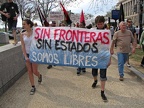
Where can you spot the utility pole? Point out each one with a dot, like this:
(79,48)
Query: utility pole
(140,17)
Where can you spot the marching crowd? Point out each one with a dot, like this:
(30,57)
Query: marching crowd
(124,39)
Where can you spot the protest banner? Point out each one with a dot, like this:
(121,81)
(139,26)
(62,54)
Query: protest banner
(56,16)
(65,46)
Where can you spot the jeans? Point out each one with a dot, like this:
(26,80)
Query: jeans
(122,58)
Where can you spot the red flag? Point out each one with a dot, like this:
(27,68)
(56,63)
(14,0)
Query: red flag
(82,19)
(67,18)
(42,18)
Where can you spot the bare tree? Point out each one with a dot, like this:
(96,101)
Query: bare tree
(28,8)
(2,1)
(101,5)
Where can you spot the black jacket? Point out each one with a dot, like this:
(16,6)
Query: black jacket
(10,8)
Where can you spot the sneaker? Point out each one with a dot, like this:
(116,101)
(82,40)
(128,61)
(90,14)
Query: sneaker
(142,65)
(84,71)
(128,65)
(15,43)
(40,79)
(104,98)
(78,74)
(32,91)
(121,78)
(94,84)
(50,66)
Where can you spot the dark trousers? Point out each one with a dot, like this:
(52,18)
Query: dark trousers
(143,48)
(102,73)
(142,62)
(81,69)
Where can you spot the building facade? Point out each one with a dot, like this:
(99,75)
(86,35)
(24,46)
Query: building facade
(131,10)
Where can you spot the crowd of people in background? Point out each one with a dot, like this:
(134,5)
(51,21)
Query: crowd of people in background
(125,38)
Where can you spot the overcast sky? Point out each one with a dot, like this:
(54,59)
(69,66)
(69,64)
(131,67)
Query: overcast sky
(97,7)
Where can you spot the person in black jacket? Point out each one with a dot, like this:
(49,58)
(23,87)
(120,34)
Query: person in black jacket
(79,69)
(11,13)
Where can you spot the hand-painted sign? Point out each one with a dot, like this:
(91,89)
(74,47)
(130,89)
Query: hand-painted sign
(67,46)
(56,16)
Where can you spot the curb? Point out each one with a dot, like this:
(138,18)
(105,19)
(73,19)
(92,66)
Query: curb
(133,70)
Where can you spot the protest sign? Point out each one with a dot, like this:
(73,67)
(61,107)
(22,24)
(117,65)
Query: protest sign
(65,46)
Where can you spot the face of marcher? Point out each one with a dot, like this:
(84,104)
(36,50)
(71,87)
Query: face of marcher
(63,24)
(122,26)
(100,25)
(81,25)
(25,25)
(129,23)
(77,25)
(53,25)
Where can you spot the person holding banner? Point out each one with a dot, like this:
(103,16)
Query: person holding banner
(51,24)
(26,38)
(82,25)
(123,39)
(99,21)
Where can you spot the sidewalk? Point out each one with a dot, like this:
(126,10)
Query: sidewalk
(135,67)
(62,88)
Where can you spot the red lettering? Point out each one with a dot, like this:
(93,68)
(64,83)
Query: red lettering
(37,33)
(75,35)
(99,37)
(86,36)
(69,35)
(92,35)
(46,33)
(80,35)
(56,33)
(41,34)
(105,38)
(62,34)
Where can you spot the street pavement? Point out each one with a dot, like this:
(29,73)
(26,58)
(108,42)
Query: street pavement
(62,88)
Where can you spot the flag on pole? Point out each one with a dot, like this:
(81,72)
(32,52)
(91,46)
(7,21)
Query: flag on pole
(40,15)
(82,18)
(67,18)
(121,16)
(42,18)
